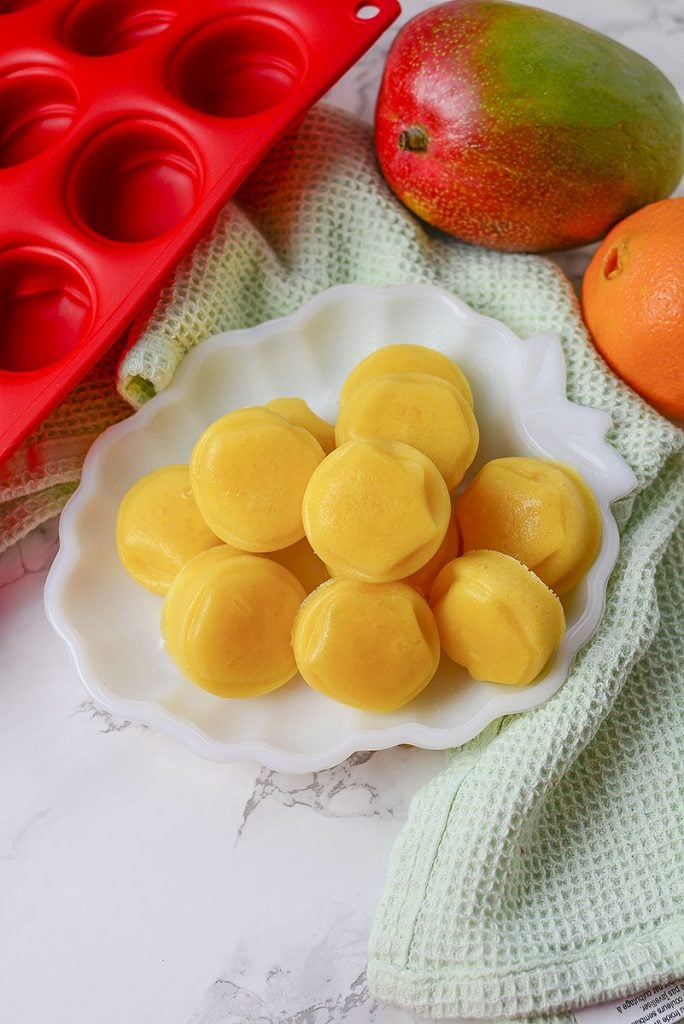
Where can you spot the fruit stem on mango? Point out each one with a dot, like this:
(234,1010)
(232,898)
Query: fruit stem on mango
(413,138)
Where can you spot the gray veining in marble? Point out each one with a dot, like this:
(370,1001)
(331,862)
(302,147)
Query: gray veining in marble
(139,884)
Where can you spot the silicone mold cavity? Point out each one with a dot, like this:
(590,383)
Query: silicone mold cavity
(237,66)
(125,125)
(37,106)
(134,182)
(47,304)
(11,6)
(97,28)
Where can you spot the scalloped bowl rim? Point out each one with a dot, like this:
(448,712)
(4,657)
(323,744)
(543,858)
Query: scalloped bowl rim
(619,483)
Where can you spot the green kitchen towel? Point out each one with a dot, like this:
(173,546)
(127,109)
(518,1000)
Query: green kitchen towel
(542,868)
(37,479)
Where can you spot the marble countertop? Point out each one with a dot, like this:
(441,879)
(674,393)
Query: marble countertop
(139,883)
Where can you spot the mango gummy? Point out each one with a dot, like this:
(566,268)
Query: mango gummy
(539,511)
(302,561)
(419,409)
(449,549)
(376,510)
(496,618)
(373,646)
(159,527)
(297,412)
(227,622)
(249,470)
(406,359)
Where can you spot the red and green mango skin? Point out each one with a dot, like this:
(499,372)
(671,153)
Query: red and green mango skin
(539,133)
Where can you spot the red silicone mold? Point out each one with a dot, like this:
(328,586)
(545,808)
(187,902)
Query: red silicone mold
(124,126)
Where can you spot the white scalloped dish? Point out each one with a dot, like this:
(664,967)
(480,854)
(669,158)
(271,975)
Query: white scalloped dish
(111,623)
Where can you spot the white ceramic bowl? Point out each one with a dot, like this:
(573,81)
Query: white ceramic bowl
(111,623)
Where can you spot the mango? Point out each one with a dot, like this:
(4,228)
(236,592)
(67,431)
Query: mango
(514,128)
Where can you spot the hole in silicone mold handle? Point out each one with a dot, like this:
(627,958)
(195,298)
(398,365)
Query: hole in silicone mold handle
(36,108)
(96,28)
(366,12)
(134,182)
(237,66)
(47,308)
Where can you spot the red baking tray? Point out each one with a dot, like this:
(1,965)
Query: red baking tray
(124,126)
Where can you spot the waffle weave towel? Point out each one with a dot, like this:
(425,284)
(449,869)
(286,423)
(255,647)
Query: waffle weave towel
(542,869)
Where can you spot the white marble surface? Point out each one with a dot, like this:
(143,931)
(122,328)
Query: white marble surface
(140,884)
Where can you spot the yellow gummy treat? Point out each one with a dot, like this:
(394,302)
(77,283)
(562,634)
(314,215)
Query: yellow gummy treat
(406,359)
(227,623)
(249,470)
(297,412)
(423,578)
(419,409)
(304,564)
(538,511)
(496,618)
(374,646)
(376,510)
(159,527)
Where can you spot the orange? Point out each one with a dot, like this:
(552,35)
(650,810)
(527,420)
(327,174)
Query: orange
(633,303)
